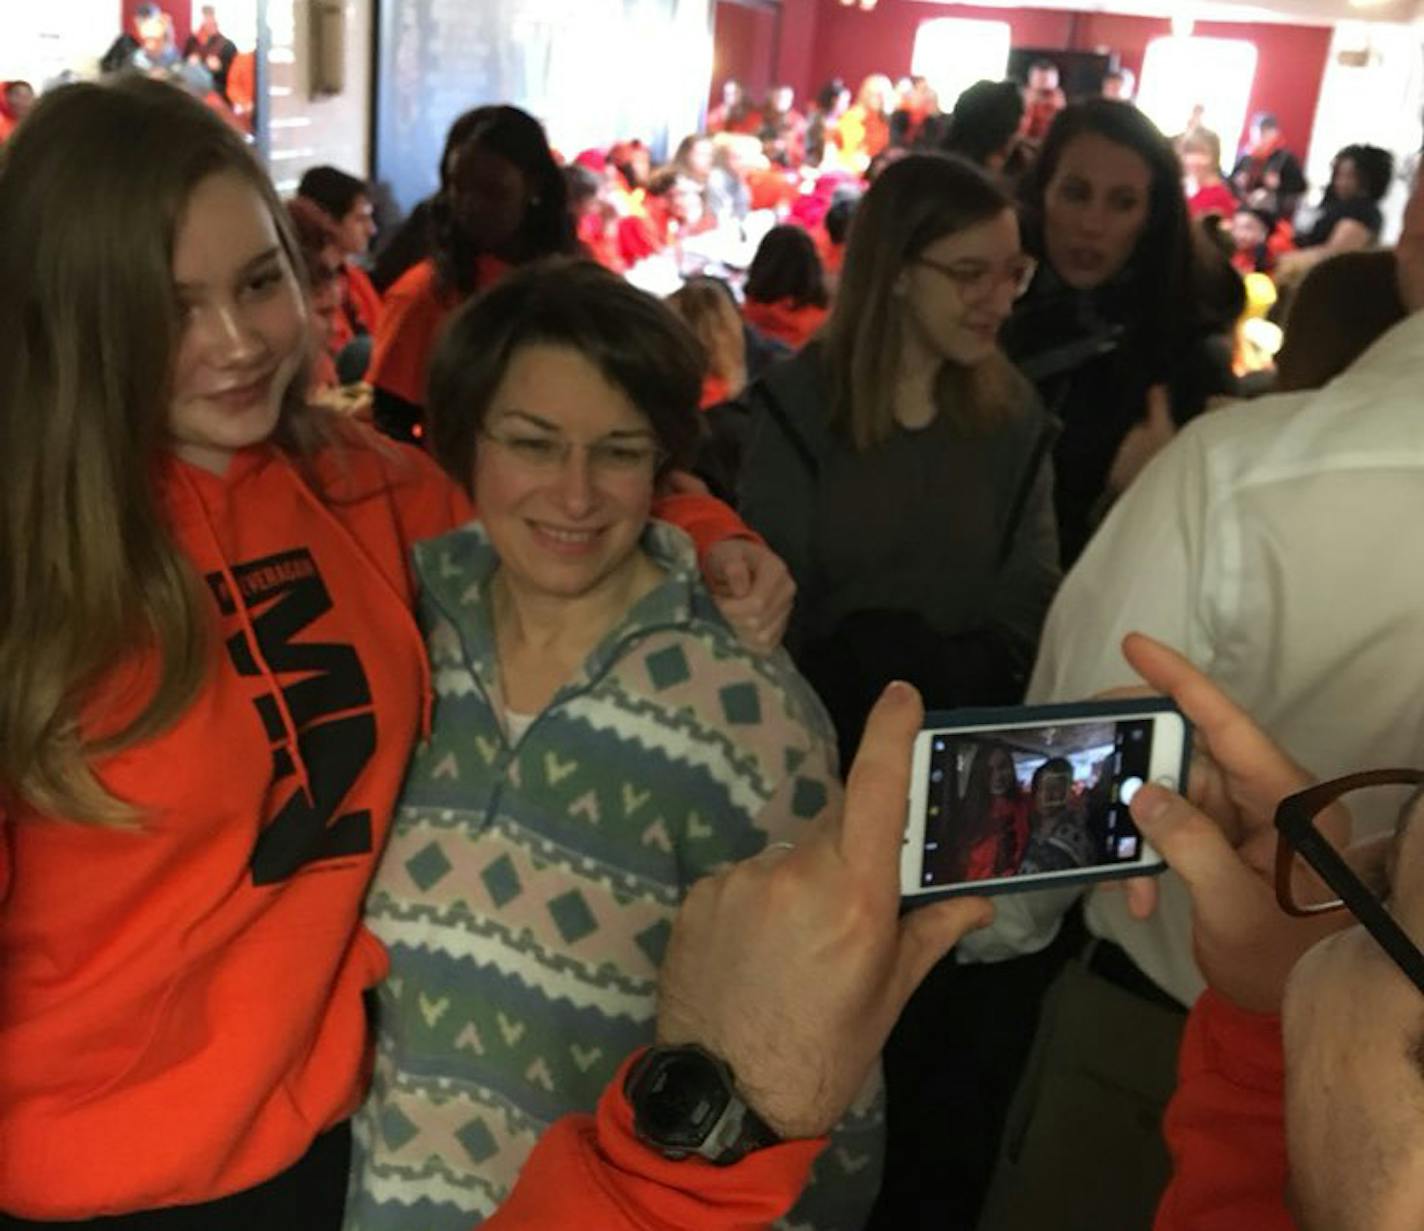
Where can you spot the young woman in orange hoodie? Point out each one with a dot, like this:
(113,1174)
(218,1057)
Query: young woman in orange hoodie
(213,683)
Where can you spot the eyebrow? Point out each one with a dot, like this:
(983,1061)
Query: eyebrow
(619,433)
(264,257)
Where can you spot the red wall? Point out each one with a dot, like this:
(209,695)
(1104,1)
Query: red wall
(744,47)
(850,43)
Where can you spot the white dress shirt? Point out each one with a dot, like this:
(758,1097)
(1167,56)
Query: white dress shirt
(1279,544)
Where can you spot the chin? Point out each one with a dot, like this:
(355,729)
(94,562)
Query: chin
(972,351)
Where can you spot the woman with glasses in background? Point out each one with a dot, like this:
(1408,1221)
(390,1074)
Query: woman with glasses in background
(900,466)
(897,462)
(600,741)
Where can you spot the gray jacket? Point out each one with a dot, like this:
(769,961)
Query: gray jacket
(957,527)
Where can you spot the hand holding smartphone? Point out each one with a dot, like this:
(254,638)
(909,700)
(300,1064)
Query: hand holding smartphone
(1032,797)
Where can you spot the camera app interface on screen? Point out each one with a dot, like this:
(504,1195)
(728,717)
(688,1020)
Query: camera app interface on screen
(1021,801)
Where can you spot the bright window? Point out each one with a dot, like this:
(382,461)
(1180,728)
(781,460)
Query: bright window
(1215,74)
(952,53)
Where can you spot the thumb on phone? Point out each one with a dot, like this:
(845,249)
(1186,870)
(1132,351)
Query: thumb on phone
(1194,847)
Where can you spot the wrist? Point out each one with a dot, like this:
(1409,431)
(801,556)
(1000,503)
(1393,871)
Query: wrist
(686,1104)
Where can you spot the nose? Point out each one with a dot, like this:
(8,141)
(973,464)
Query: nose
(1006,292)
(577,491)
(230,339)
(1093,219)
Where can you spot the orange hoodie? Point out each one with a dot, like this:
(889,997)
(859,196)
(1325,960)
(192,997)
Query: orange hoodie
(785,320)
(181,1010)
(591,1172)
(1225,1126)
(180,1002)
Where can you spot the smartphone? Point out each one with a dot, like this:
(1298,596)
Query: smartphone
(1032,797)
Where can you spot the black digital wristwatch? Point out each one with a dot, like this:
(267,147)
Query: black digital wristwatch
(686,1104)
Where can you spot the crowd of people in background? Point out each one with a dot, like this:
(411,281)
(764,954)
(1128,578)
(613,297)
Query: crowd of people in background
(913,365)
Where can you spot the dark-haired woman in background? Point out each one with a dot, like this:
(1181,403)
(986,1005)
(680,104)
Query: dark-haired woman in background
(786,287)
(502,202)
(1349,219)
(1111,331)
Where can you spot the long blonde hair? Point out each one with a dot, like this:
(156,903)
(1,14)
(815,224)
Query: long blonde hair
(912,203)
(92,191)
(711,313)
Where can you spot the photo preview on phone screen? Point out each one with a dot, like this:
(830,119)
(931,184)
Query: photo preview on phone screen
(1032,801)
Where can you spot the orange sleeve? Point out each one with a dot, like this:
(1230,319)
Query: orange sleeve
(592,1173)
(364,297)
(241,81)
(428,501)
(1225,1126)
(405,339)
(705,518)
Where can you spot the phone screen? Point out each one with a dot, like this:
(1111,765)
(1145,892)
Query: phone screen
(1021,801)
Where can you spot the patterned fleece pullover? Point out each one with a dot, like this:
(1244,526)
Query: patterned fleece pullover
(530,883)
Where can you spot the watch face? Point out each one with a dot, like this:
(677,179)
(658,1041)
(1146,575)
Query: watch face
(682,1101)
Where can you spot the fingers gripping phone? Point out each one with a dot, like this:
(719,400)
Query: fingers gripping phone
(1033,797)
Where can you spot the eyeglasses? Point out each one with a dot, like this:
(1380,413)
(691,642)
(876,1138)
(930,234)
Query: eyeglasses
(1320,868)
(607,458)
(976,281)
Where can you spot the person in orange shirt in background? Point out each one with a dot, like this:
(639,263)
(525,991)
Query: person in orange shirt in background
(863,131)
(786,287)
(736,113)
(346,202)
(830,238)
(1207,192)
(242,88)
(783,130)
(916,104)
(17,100)
(595,219)
(319,246)
(502,202)
(628,168)
(707,307)
(1043,99)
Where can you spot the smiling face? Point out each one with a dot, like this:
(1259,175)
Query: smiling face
(243,323)
(563,527)
(960,290)
(1095,209)
(1001,772)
